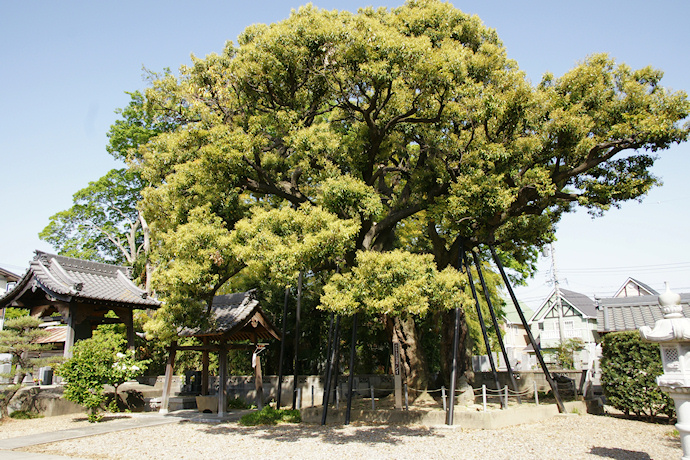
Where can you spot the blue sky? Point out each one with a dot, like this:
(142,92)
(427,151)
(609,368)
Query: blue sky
(66,66)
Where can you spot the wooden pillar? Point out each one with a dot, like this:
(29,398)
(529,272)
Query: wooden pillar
(204,368)
(223,376)
(258,382)
(71,330)
(129,323)
(167,383)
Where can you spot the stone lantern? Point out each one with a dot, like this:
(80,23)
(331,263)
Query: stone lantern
(673,335)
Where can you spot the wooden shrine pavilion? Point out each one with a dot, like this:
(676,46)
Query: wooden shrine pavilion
(82,292)
(236,319)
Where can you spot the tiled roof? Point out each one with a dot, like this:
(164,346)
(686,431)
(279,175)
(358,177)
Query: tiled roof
(72,280)
(237,317)
(630,313)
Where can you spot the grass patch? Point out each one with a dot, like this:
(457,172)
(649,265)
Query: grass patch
(24,415)
(239,403)
(271,416)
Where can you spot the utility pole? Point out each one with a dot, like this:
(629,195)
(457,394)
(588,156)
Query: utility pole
(561,326)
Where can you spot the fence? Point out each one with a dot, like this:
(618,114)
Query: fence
(502,396)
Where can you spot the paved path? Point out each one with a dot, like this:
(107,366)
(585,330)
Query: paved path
(137,420)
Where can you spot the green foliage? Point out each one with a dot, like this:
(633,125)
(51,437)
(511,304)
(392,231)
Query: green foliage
(100,360)
(270,416)
(12,312)
(629,370)
(566,350)
(24,415)
(288,241)
(18,338)
(238,403)
(393,283)
(103,223)
(333,139)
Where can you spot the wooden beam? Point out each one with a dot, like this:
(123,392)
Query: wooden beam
(216,347)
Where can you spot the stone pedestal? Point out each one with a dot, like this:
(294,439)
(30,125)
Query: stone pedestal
(673,335)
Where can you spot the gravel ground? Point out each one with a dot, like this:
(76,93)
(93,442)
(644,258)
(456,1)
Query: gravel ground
(561,437)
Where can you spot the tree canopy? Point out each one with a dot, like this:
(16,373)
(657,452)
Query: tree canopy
(385,115)
(362,141)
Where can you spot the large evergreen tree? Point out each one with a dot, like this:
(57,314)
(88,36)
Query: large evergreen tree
(408,128)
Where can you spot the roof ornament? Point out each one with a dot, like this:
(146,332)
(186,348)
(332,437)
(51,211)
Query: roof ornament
(674,326)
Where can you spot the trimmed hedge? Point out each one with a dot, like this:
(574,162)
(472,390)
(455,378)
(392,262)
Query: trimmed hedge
(629,369)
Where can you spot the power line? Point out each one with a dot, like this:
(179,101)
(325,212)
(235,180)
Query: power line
(682,266)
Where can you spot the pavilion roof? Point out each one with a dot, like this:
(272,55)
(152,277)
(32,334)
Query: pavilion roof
(236,317)
(60,278)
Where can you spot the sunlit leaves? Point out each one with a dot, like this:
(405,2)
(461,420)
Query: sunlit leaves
(394,283)
(286,241)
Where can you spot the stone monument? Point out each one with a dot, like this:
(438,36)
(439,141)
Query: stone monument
(673,335)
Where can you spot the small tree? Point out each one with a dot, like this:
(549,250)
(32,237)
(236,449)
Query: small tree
(95,362)
(18,338)
(565,353)
(629,370)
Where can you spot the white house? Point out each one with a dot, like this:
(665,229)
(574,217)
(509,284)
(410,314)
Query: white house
(566,316)
(7,281)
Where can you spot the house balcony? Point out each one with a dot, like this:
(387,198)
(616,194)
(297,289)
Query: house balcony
(552,338)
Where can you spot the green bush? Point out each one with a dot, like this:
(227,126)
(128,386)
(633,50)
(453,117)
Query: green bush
(24,415)
(271,416)
(239,403)
(629,369)
(100,360)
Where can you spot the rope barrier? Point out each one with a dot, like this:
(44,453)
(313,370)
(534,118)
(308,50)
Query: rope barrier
(503,394)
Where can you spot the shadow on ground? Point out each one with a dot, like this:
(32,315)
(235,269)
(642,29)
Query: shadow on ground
(385,434)
(614,452)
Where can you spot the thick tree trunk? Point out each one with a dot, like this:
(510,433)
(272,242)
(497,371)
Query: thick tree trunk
(464,349)
(412,360)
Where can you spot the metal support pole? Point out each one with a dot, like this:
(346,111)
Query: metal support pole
(351,379)
(484,396)
(443,398)
(297,324)
(505,391)
(537,351)
(454,367)
(536,393)
(497,328)
(373,400)
(407,401)
(282,348)
(328,360)
(329,371)
(480,317)
(312,396)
